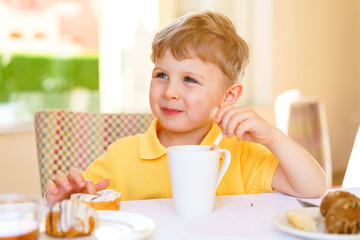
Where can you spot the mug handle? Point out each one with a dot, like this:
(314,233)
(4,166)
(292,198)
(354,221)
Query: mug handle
(224,165)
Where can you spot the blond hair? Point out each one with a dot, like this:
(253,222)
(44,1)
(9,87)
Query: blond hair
(210,36)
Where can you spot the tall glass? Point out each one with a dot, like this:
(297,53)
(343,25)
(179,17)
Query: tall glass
(20,216)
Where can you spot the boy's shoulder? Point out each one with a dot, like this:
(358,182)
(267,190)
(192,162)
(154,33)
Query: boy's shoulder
(142,142)
(126,142)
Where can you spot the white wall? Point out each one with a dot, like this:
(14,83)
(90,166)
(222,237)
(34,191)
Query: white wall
(316,49)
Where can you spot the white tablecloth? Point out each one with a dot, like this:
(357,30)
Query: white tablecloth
(235,217)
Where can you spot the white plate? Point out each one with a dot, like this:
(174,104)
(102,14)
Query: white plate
(117,225)
(280,221)
(123,225)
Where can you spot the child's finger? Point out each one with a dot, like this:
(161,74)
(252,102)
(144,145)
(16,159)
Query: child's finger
(76,176)
(103,184)
(227,117)
(242,130)
(219,115)
(51,187)
(90,187)
(237,120)
(235,116)
(62,180)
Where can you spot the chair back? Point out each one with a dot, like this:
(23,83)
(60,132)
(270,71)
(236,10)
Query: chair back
(307,125)
(352,173)
(74,139)
(282,108)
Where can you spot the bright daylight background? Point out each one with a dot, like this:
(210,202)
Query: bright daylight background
(94,55)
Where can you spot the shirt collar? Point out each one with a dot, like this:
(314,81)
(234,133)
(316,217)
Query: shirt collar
(150,147)
(211,135)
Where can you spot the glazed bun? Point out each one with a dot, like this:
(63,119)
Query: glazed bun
(104,200)
(331,198)
(70,218)
(342,212)
(344,216)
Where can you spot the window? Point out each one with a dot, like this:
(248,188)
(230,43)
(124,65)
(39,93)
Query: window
(94,55)
(126,33)
(252,19)
(48,58)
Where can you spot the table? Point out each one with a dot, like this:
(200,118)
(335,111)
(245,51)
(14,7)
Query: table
(234,217)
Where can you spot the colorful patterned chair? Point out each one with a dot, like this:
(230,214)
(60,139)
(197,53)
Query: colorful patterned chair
(65,139)
(307,125)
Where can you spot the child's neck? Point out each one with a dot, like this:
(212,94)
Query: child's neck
(194,137)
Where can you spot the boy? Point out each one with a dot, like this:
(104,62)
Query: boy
(195,83)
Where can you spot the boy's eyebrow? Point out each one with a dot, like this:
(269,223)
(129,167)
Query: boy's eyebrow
(157,69)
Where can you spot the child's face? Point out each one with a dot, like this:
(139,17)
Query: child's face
(185,95)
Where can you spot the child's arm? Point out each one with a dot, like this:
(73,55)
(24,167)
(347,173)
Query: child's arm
(64,185)
(298,173)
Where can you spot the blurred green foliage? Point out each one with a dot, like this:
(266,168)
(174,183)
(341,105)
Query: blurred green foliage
(48,74)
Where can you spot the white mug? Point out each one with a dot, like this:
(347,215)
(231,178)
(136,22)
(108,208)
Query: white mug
(195,176)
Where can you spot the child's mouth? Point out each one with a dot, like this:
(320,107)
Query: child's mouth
(170,111)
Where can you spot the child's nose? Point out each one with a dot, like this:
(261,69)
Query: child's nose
(172,92)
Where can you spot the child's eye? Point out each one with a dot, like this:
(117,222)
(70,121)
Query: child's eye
(188,79)
(162,75)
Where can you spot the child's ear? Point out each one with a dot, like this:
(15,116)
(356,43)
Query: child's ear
(232,95)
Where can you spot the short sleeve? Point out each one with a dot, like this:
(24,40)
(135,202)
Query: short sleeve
(258,166)
(100,168)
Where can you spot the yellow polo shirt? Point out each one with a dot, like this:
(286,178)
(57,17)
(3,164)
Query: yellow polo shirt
(137,166)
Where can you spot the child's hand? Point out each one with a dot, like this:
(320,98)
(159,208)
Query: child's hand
(64,185)
(245,124)
(294,160)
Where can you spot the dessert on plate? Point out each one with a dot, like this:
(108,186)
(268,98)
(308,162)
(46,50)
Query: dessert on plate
(104,200)
(339,210)
(303,220)
(71,218)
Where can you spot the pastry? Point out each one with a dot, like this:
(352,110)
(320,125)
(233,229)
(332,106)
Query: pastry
(340,211)
(331,198)
(301,219)
(343,216)
(70,218)
(104,200)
